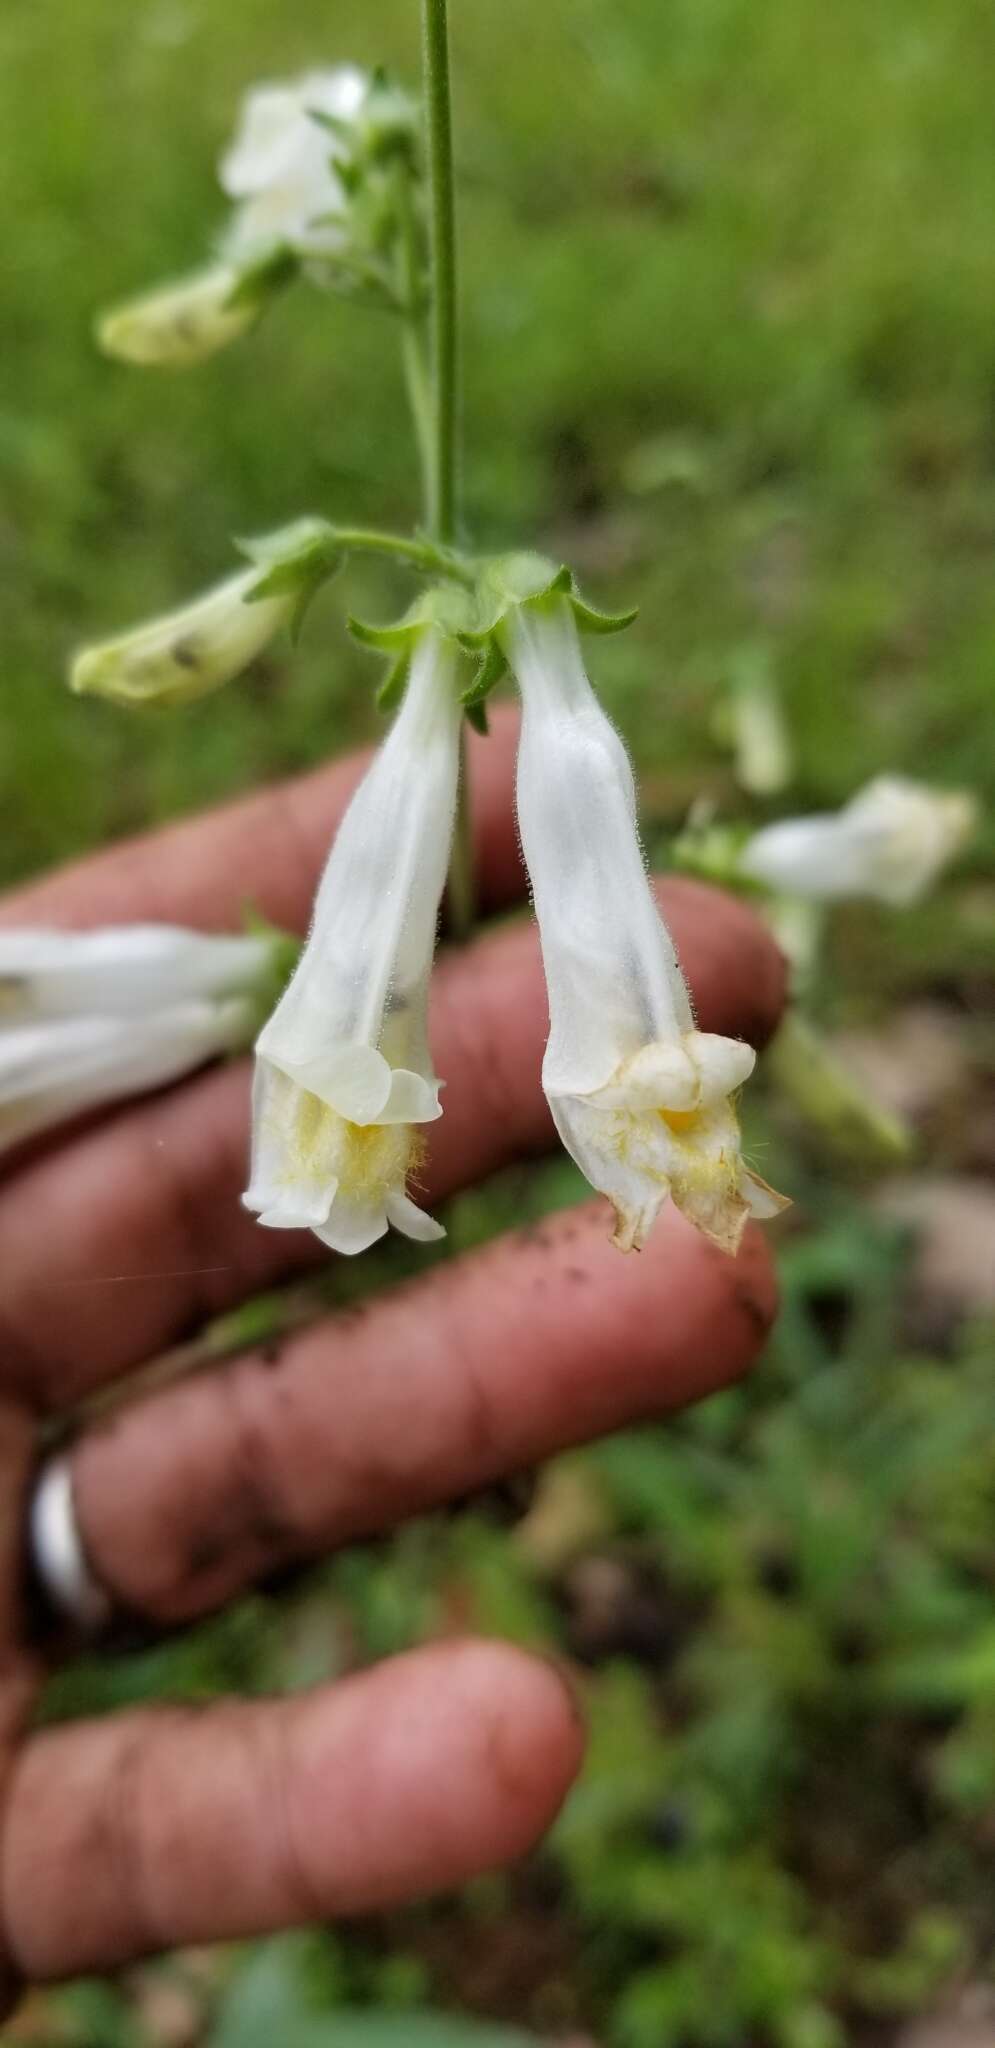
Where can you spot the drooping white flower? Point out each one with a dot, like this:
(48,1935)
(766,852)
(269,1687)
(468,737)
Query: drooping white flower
(88,1018)
(343,1071)
(120,970)
(186,653)
(641,1099)
(890,842)
(180,323)
(55,1070)
(280,167)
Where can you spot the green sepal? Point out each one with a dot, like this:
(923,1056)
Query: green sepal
(711,850)
(489,672)
(591,620)
(336,124)
(260,280)
(443,605)
(506,581)
(395,681)
(295,560)
(477,717)
(525,578)
(383,639)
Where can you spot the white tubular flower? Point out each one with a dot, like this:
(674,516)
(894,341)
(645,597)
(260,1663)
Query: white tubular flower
(55,1070)
(641,1099)
(121,970)
(189,652)
(889,842)
(181,323)
(280,168)
(343,1070)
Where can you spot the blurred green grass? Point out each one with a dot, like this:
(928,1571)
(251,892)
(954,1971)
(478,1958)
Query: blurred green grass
(742,245)
(729,276)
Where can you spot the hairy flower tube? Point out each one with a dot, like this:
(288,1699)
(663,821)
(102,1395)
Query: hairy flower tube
(344,1076)
(88,1018)
(189,652)
(280,167)
(642,1100)
(889,842)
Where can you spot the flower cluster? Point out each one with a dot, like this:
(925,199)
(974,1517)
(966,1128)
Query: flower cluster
(88,1018)
(643,1100)
(308,178)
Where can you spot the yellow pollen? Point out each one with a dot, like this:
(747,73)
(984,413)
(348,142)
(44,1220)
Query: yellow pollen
(366,1159)
(679,1119)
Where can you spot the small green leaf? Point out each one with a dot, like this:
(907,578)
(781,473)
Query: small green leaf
(477,717)
(393,686)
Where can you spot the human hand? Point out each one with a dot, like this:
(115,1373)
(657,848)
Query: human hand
(151,1828)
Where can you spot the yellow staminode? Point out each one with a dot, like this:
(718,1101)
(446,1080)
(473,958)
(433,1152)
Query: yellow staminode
(366,1160)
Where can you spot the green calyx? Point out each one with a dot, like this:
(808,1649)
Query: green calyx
(471,611)
(258,281)
(294,562)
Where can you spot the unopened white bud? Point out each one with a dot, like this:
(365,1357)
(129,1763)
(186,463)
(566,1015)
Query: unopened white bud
(181,323)
(187,653)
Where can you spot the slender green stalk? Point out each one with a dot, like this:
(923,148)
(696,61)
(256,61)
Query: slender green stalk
(441,500)
(414,337)
(426,555)
(417,378)
(442,237)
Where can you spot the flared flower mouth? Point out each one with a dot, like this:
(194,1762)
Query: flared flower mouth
(666,1125)
(344,1177)
(357,1083)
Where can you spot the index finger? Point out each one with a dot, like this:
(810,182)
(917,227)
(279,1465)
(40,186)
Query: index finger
(265,850)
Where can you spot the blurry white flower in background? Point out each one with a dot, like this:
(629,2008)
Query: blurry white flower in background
(642,1100)
(343,1070)
(88,1018)
(280,167)
(889,842)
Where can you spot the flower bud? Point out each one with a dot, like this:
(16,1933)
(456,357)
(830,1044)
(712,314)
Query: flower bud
(181,323)
(188,653)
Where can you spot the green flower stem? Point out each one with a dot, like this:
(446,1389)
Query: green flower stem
(442,235)
(441,500)
(418,380)
(425,555)
(414,333)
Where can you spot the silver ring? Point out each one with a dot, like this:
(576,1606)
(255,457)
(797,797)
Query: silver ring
(59,1556)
